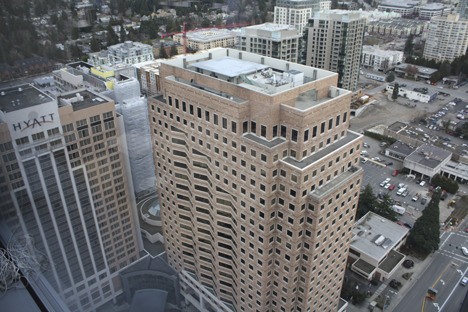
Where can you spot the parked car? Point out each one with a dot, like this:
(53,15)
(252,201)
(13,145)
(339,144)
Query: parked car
(464,281)
(389,163)
(395,173)
(464,251)
(392,187)
(423,201)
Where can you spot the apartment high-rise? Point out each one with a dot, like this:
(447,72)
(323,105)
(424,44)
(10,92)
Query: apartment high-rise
(259,180)
(277,41)
(65,183)
(297,12)
(334,42)
(447,38)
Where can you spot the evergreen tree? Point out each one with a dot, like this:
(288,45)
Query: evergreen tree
(95,44)
(75,33)
(390,77)
(162,52)
(384,208)
(173,50)
(424,236)
(112,37)
(396,89)
(123,33)
(367,202)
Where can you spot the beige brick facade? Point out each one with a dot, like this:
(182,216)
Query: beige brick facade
(258,182)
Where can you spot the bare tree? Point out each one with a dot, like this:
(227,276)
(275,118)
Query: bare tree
(19,260)
(411,70)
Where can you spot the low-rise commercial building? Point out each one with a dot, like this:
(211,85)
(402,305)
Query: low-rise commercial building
(374,247)
(415,71)
(430,10)
(408,8)
(424,95)
(427,160)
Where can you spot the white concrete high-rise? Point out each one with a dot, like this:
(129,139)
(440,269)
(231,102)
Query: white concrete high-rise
(334,42)
(297,12)
(447,38)
(274,40)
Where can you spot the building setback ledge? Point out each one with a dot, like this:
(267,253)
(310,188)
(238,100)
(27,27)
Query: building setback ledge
(264,142)
(351,136)
(339,181)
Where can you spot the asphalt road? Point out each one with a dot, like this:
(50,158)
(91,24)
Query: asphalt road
(444,274)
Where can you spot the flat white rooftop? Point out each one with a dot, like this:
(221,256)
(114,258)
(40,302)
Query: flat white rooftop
(375,236)
(206,35)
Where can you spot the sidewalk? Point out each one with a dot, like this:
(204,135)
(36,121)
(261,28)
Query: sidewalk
(394,296)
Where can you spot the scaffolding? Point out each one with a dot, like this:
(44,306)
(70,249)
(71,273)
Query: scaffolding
(134,110)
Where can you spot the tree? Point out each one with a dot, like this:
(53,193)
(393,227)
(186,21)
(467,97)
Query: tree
(445,183)
(112,37)
(75,33)
(367,202)
(424,236)
(123,33)
(95,44)
(396,89)
(390,77)
(411,70)
(162,52)
(408,50)
(173,50)
(384,208)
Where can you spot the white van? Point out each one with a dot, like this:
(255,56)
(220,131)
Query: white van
(422,183)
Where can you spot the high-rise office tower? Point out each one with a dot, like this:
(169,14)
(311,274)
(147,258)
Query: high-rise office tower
(297,12)
(65,183)
(259,180)
(447,38)
(334,42)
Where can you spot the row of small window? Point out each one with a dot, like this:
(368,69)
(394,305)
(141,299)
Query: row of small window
(252,125)
(37,136)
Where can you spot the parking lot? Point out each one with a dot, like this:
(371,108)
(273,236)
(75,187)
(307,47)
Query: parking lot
(378,171)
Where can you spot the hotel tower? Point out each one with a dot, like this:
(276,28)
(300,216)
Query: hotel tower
(65,185)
